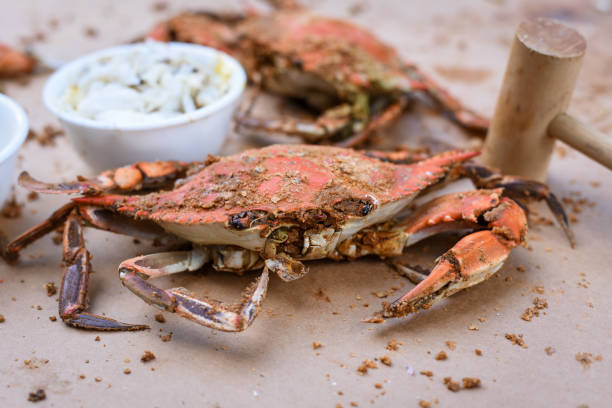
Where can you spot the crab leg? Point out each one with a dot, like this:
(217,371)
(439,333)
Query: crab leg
(96,217)
(450,105)
(73,289)
(475,257)
(402,156)
(519,188)
(107,220)
(384,118)
(11,252)
(138,176)
(329,123)
(135,273)
(414,274)
(333,122)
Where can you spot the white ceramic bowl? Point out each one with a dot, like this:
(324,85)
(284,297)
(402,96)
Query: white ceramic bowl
(14,125)
(188,137)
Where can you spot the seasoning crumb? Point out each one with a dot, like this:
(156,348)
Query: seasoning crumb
(127,371)
(450,384)
(2,319)
(424,404)
(585,359)
(90,32)
(426,373)
(126,360)
(540,303)
(97,338)
(316,345)
(98,379)
(441,355)
(51,289)
(365,365)
(470,382)
(473,327)
(527,314)
(478,352)
(386,360)
(393,345)
(374,319)
(451,344)
(550,351)
(81,376)
(378,385)
(356,8)
(166,337)
(37,395)
(514,339)
(12,209)
(354,404)
(147,356)
(160,6)
(160,318)
(47,136)
(53,318)
(319,294)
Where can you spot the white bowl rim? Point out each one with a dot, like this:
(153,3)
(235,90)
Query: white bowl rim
(17,139)
(237,85)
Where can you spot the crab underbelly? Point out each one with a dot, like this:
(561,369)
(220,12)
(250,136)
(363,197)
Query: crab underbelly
(323,244)
(379,215)
(317,92)
(217,234)
(317,245)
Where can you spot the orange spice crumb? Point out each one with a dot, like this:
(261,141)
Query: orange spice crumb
(441,355)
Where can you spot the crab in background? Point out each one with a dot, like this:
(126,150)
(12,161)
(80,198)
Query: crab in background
(353,82)
(14,63)
(274,208)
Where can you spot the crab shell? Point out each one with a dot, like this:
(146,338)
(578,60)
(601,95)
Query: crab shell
(255,200)
(308,52)
(339,52)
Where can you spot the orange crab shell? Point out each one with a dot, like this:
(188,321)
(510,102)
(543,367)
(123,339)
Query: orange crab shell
(331,48)
(285,181)
(334,49)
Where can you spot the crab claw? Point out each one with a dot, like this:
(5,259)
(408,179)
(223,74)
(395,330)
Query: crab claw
(472,260)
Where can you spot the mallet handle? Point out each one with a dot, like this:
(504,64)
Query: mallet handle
(582,137)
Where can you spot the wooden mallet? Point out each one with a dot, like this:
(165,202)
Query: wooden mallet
(530,114)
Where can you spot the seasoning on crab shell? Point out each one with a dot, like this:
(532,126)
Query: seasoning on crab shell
(355,82)
(341,208)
